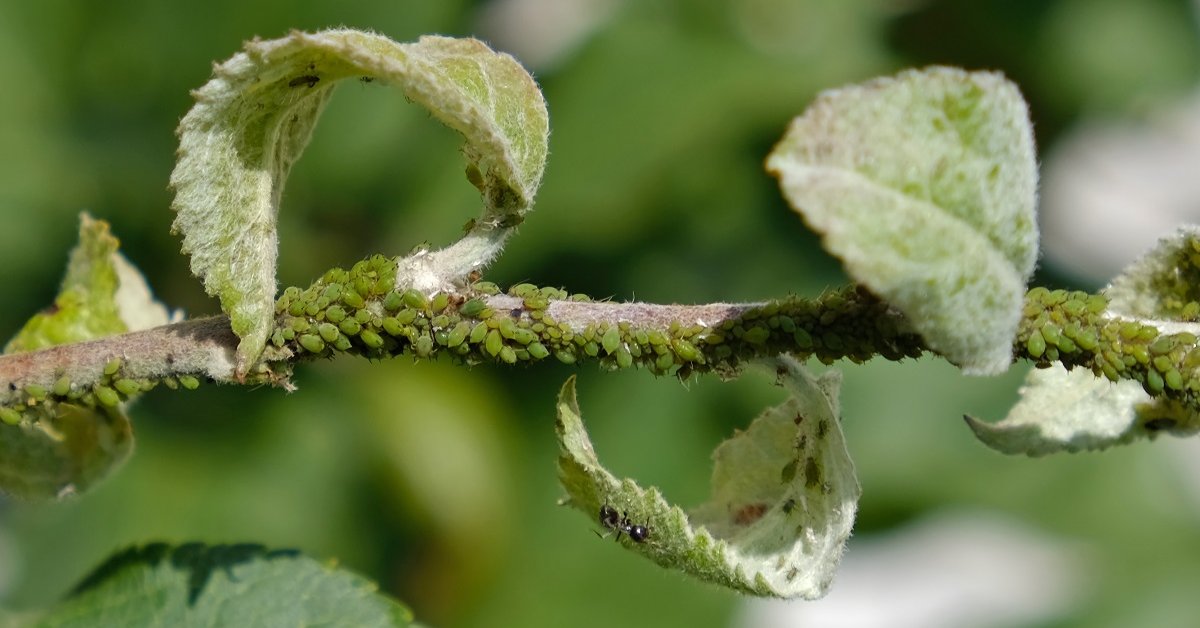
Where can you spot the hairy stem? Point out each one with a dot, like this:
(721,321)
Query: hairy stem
(359,312)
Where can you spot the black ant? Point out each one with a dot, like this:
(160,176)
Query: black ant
(622,524)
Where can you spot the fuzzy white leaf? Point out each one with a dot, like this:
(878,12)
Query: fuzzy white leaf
(924,185)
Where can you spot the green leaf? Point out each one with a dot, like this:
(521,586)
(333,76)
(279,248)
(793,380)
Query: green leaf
(784,495)
(924,184)
(223,585)
(53,454)
(254,118)
(101,295)
(1062,410)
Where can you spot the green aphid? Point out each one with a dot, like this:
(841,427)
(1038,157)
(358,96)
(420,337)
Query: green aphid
(471,308)
(353,299)
(112,367)
(611,340)
(1110,372)
(335,314)
(535,303)
(486,287)
(1087,340)
(441,337)
(299,325)
(1162,363)
(1173,379)
(371,339)
(37,393)
(10,416)
(537,350)
(508,355)
(1162,345)
(1066,345)
(296,309)
(664,362)
(350,327)
(440,302)
(280,336)
(1139,353)
(383,284)
(1051,333)
(62,386)
(392,326)
(832,341)
(580,298)
(1073,307)
(364,316)
(564,356)
(523,290)
(459,334)
(328,331)
(393,301)
(441,321)
(1129,331)
(423,346)
(362,287)
(1190,312)
(523,336)
(1036,345)
(687,351)
(406,317)
(479,332)
(311,343)
(414,299)
(757,335)
(311,309)
(507,327)
(494,343)
(591,348)
(1154,382)
(803,339)
(1185,339)
(624,357)
(127,387)
(334,275)
(106,396)
(1147,333)
(657,338)
(787,324)
(332,292)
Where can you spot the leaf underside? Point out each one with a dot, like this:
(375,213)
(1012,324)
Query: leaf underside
(783,503)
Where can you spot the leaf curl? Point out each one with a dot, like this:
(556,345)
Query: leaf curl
(783,503)
(253,119)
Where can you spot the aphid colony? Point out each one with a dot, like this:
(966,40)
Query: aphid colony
(1071,327)
(359,311)
(32,402)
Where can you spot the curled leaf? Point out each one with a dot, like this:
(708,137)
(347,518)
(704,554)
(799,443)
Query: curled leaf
(783,503)
(1077,410)
(255,116)
(48,454)
(924,184)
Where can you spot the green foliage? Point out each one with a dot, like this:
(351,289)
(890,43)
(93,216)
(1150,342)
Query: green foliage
(223,585)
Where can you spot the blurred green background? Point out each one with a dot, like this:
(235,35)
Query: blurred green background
(439,482)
